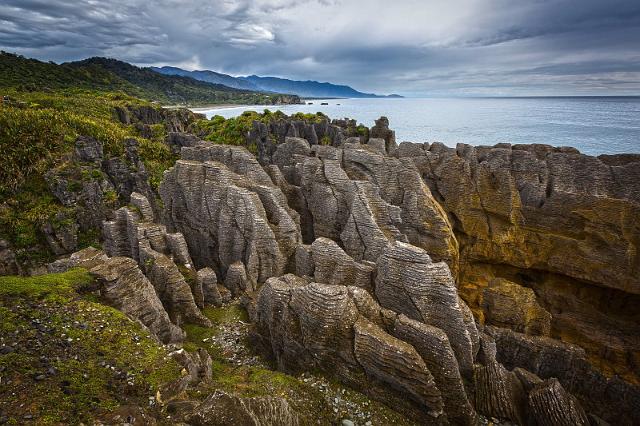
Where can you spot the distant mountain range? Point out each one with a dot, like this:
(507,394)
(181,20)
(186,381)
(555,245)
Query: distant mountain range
(305,89)
(106,74)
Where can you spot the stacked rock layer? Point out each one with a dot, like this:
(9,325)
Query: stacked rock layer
(448,283)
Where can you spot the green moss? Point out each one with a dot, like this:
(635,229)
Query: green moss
(59,284)
(45,125)
(100,359)
(226,314)
(234,131)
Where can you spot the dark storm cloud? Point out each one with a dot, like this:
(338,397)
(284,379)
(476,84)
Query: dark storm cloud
(435,47)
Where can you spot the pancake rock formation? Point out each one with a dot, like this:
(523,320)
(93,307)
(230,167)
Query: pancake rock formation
(452,284)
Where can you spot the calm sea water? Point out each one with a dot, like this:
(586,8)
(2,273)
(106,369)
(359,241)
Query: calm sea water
(593,125)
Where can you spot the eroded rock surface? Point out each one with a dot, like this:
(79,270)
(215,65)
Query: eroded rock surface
(552,220)
(124,286)
(448,283)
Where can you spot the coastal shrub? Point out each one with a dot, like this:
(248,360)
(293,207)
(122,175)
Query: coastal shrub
(37,134)
(234,130)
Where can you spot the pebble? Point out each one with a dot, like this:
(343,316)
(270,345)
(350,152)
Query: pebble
(347,422)
(6,350)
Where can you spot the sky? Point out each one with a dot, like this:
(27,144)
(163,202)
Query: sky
(410,47)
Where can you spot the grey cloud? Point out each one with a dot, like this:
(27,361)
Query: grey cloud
(412,46)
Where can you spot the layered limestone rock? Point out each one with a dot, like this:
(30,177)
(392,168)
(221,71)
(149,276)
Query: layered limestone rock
(394,249)
(435,349)
(124,286)
(331,265)
(156,252)
(171,287)
(320,326)
(229,211)
(551,405)
(221,409)
(612,399)
(552,220)
(507,304)
(409,282)
(363,199)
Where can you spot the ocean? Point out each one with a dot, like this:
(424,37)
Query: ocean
(594,125)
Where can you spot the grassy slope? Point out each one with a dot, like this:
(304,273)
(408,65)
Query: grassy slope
(66,359)
(37,133)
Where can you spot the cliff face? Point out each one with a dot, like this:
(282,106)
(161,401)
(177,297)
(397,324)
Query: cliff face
(552,231)
(447,283)
(396,247)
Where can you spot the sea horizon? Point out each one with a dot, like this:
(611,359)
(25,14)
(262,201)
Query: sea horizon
(594,125)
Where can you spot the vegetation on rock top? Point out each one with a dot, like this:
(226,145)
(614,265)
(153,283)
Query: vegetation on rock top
(37,134)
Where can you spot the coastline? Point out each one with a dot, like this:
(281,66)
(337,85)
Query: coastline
(199,108)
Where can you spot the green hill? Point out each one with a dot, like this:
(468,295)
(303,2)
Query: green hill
(104,74)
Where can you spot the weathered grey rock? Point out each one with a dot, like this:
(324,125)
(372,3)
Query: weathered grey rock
(326,315)
(230,216)
(8,263)
(87,258)
(88,149)
(197,365)
(237,281)
(499,393)
(179,249)
(304,261)
(178,140)
(143,206)
(378,144)
(409,282)
(551,405)
(171,287)
(487,349)
(333,266)
(225,294)
(381,130)
(612,399)
(396,364)
(124,286)
(208,281)
(421,219)
(371,223)
(61,234)
(527,379)
(409,149)
(221,409)
(433,346)
(128,173)
(341,330)
(120,235)
(205,367)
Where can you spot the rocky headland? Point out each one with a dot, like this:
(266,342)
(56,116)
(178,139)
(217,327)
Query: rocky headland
(453,285)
